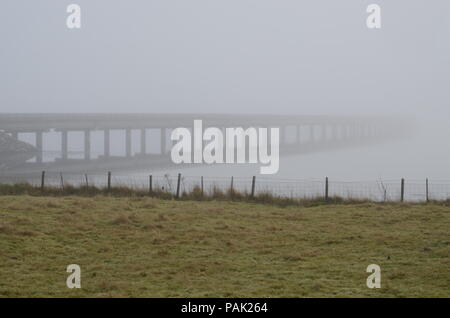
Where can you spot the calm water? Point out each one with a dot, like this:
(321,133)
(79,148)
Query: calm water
(415,158)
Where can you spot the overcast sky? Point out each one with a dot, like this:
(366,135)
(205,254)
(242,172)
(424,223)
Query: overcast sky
(225,56)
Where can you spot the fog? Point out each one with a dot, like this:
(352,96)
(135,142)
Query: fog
(242,56)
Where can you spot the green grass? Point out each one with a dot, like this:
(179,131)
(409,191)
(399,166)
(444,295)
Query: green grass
(195,194)
(140,246)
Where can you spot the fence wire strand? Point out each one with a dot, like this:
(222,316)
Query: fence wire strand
(376,190)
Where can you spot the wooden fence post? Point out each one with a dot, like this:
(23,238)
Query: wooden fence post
(178,186)
(62,180)
(402,190)
(150,184)
(201,184)
(427,190)
(109,180)
(232,187)
(87,181)
(326,188)
(253,186)
(43,180)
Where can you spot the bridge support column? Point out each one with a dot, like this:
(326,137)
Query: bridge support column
(269,139)
(173,142)
(324,133)
(39,146)
(369,130)
(87,145)
(373,132)
(163,140)
(334,132)
(282,135)
(311,133)
(355,131)
(107,143)
(352,132)
(347,132)
(143,141)
(64,145)
(128,143)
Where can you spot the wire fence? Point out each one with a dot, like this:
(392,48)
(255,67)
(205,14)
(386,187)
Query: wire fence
(376,190)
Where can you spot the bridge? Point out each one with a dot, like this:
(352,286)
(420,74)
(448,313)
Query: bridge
(298,134)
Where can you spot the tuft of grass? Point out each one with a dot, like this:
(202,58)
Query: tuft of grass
(122,219)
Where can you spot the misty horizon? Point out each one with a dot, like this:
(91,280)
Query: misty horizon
(225,57)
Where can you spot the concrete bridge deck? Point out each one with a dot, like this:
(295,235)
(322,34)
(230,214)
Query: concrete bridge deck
(95,121)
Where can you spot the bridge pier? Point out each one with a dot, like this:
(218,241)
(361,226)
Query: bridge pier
(356,131)
(107,144)
(348,132)
(173,143)
(282,135)
(39,146)
(342,135)
(128,143)
(312,136)
(373,131)
(353,131)
(143,141)
(334,133)
(163,140)
(87,144)
(64,145)
(367,130)
(362,131)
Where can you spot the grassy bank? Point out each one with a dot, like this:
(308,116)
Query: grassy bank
(140,246)
(196,194)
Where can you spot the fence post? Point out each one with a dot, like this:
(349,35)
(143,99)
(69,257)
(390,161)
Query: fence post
(87,181)
(201,184)
(402,190)
(178,186)
(150,184)
(62,180)
(427,192)
(232,186)
(109,180)
(43,180)
(253,186)
(326,188)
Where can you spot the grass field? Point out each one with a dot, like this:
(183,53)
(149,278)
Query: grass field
(138,246)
